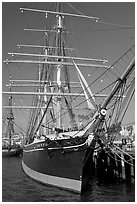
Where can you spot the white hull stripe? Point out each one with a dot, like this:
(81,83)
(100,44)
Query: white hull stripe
(69,147)
(69,184)
(33,150)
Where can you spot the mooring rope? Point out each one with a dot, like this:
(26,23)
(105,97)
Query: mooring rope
(121,157)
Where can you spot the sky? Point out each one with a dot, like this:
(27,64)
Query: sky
(107,40)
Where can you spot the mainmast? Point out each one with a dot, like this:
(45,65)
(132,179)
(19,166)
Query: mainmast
(59,67)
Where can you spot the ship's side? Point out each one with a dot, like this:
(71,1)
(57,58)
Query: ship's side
(12,152)
(58,166)
(11,148)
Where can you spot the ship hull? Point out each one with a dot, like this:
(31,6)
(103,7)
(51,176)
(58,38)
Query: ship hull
(12,152)
(67,168)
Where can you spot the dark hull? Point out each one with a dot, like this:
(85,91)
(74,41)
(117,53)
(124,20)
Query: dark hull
(68,168)
(12,152)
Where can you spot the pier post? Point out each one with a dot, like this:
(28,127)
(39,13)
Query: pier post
(123,167)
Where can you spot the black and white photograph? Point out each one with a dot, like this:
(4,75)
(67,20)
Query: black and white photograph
(68,101)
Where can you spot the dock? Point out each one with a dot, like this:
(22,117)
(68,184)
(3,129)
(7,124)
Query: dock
(114,165)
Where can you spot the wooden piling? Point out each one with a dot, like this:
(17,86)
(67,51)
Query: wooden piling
(117,164)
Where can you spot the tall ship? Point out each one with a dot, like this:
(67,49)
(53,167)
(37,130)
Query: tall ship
(10,145)
(70,112)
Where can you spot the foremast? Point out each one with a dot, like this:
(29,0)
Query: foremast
(10,118)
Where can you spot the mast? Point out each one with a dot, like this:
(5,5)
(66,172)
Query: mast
(60,61)
(102,112)
(59,67)
(10,118)
(45,50)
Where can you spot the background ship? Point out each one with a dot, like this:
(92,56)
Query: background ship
(59,148)
(11,144)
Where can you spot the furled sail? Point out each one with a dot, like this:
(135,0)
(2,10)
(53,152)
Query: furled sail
(90,100)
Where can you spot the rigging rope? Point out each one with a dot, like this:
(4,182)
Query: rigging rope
(127,106)
(19,127)
(122,158)
(85,89)
(93,82)
(103,22)
(79,103)
(123,151)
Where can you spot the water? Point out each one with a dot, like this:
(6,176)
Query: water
(18,187)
